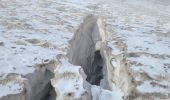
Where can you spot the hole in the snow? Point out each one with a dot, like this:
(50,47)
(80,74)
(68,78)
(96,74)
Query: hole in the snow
(49,92)
(51,95)
(95,73)
(85,49)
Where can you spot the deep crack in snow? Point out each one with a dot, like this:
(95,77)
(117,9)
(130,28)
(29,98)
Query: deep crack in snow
(84,50)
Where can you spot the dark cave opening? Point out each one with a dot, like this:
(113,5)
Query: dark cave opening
(95,72)
(51,95)
(49,91)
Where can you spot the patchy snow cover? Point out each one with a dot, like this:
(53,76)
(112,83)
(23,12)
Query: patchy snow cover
(145,30)
(154,67)
(11,87)
(147,87)
(139,41)
(24,53)
(35,31)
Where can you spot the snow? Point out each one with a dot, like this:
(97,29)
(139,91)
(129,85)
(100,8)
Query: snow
(162,6)
(143,25)
(144,28)
(24,56)
(114,63)
(146,43)
(67,67)
(100,94)
(18,55)
(33,32)
(149,64)
(146,87)
(115,50)
(69,79)
(68,86)
(11,87)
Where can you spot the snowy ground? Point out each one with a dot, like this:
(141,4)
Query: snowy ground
(145,29)
(35,31)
